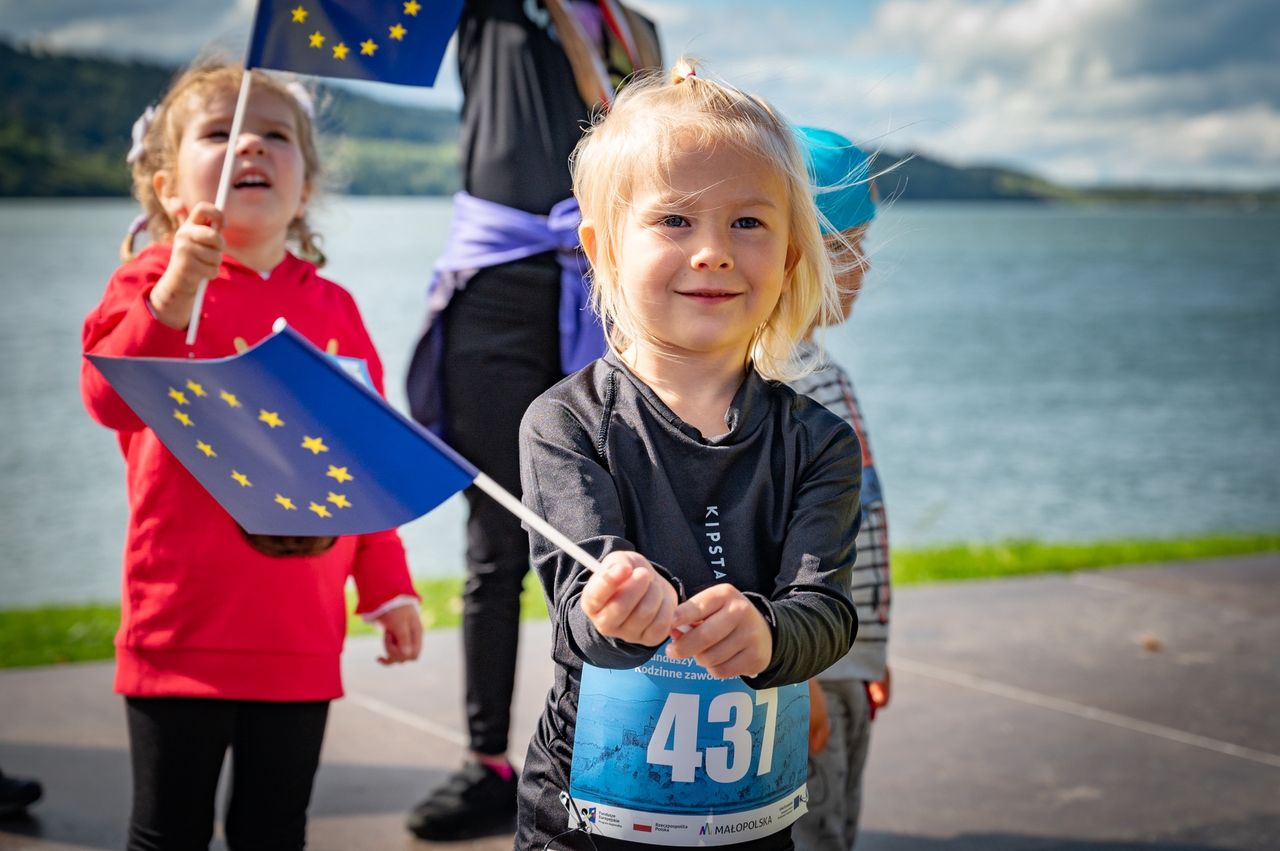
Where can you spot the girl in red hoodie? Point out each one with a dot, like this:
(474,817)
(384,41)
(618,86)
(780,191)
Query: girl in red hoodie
(229,640)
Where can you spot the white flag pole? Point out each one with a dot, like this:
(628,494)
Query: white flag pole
(504,498)
(224,188)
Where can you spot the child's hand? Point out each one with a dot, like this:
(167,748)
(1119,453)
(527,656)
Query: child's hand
(729,636)
(628,600)
(401,635)
(197,253)
(878,694)
(819,719)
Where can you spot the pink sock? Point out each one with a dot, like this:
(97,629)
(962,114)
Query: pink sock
(503,770)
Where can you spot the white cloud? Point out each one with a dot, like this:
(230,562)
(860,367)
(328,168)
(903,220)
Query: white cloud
(1085,90)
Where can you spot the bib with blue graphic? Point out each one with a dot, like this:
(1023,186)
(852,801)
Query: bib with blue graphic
(667,754)
(357,368)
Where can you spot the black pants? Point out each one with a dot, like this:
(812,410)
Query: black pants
(177,745)
(501,350)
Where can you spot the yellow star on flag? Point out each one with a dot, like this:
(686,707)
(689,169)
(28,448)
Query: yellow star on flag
(368,47)
(271,418)
(340,51)
(242,479)
(317,40)
(286,503)
(315,444)
(339,500)
(206,449)
(397,32)
(197,389)
(319,509)
(183,418)
(178,396)
(412,7)
(339,473)
(299,14)
(229,398)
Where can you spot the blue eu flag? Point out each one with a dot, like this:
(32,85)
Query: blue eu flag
(401,42)
(287,441)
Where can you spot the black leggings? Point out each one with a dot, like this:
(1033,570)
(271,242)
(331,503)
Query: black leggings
(177,745)
(501,350)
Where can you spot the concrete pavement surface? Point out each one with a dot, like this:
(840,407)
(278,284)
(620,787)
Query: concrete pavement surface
(1134,709)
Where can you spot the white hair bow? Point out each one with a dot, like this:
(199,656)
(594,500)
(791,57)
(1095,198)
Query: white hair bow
(140,128)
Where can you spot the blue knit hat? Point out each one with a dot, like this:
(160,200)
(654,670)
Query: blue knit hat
(840,172)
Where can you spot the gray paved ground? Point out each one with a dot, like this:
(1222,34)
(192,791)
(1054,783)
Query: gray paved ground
(1110,711)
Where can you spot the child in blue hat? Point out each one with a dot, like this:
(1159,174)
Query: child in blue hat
(845,697)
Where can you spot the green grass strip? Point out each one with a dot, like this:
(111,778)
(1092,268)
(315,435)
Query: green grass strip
(1020,558)
(78,633)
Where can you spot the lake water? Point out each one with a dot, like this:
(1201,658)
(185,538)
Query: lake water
(1026,371)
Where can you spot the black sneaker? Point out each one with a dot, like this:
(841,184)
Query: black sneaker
(16,794)
(475,801)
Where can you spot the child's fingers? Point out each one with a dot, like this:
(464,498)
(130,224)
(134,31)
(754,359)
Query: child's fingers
(649,604)
(394,651)
(742,661)
(704,604)
(414,643)
(654,613)
(206,255)
(203,235)
(408,636)
(401,635)
(709,632)
(207,214)
(602,586)
(615,617)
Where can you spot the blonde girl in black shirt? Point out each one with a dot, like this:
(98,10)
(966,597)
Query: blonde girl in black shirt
(723,506)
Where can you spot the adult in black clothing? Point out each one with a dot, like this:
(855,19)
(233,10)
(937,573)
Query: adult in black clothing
(531,73)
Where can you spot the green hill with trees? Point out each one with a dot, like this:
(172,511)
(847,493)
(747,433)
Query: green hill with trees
(65,128)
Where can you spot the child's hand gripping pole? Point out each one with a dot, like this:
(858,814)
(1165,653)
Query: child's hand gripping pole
(224,188)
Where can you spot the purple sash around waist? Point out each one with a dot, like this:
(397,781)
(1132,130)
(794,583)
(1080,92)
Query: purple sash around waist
(485,234)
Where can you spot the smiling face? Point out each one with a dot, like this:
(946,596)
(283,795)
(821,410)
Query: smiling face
(703,260)
(269,186)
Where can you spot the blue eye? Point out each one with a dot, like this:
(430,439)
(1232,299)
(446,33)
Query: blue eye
(673,221)
(748,222)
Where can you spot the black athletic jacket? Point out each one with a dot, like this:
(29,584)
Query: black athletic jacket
(772,505)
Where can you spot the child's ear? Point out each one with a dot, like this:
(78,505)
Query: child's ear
(167,191)
(587,236)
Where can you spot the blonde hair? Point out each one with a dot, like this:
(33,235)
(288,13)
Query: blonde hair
(651,121)
(158,149)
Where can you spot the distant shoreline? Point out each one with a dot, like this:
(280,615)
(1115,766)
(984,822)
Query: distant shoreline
(1245,201)
(69,120)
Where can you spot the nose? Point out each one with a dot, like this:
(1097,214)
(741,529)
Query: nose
(250,143)
(712,254)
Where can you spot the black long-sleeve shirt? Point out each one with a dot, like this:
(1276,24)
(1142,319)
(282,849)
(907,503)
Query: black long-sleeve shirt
(771,506)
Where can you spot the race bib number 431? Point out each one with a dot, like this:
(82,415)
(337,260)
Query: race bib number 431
(667,754)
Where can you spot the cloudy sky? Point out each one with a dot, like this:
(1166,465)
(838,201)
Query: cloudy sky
(1180,92)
